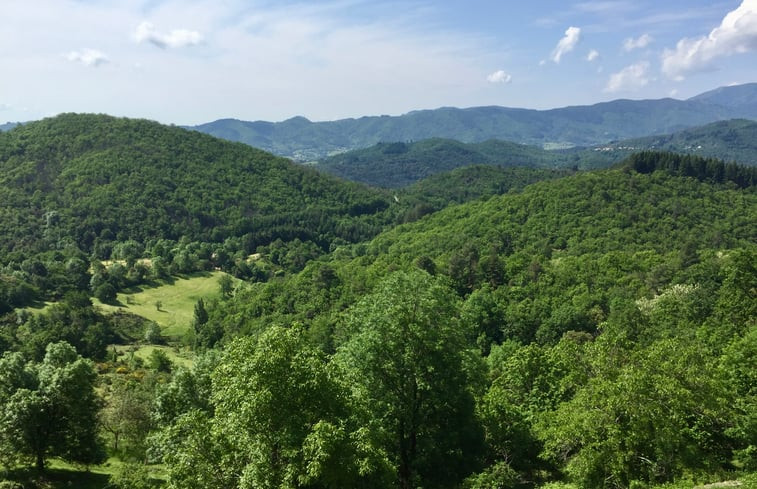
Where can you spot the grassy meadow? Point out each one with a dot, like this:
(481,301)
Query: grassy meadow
(177,300)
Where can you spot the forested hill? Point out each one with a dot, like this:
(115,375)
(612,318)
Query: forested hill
(93,180)
(606,320)
(394,165)
(732,140)
(304,140)
(640,225)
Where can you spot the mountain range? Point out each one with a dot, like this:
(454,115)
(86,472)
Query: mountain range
(303,140)
(395,165)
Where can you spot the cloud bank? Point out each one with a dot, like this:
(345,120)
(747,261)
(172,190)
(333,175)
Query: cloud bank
(177,38)
(499,77)
(567,43)
(88,57)
(737,33)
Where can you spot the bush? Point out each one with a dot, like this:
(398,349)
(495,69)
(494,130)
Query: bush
(132,476)
(106,293)
(159,361)
(153,334)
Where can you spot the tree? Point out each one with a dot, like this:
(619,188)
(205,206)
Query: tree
(284,413)
(50,408)
(226,285)
(412,378)
(106,293)
(126,416)
(665,412)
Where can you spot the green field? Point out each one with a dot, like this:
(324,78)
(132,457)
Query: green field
(177,301)
(59,474)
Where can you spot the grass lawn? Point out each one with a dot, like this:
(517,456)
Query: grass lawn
(177,301)
(59,474)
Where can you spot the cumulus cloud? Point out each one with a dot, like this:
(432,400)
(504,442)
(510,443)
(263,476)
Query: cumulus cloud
(641,42)
(567,43)
(737,33)
(177,38)
(629,78)
(499,77)
(593,55)
(88,57)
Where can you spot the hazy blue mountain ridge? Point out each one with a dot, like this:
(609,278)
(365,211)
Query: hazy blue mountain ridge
(590,125)
(394,165)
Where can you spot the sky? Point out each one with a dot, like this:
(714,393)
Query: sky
(194,61)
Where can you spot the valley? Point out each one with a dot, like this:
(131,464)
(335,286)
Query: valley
(432,308)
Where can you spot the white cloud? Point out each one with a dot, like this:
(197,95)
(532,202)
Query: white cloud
(88,57)
(641,42)
(593,55)
(499,77)
(4,107)
(567,43)
(737,33)
(177,38)
(629,78)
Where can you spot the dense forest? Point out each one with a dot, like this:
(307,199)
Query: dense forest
(485,328)
(396,165)
(80,187)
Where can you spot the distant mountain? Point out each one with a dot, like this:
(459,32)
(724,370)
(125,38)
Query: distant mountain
(395,165)
(741,98)
(8,126)
(733,140)
(303,140)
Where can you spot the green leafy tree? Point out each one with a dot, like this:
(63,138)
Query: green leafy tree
(106,293)
(650,420)
(55,413)
(284,413)
(412,375)
(226,285)
(126,417)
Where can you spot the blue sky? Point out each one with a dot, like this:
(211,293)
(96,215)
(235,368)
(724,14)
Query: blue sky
(193,61)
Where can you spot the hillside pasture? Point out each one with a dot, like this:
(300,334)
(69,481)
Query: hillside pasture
(176,299)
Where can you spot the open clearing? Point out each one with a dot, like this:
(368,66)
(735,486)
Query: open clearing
(177,301)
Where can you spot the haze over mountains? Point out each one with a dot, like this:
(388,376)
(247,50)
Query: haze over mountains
(304,140)
(395,165)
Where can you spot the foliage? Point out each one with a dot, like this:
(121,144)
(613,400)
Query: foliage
(76,186)
(411,376)
(50,408)
(395,165)
(702,169)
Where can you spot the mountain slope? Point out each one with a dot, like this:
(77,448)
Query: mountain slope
(732,140)
(91,180)
(304,140)
(559,251)
(394,165)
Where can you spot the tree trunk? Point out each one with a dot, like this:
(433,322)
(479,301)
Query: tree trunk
(40,461)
